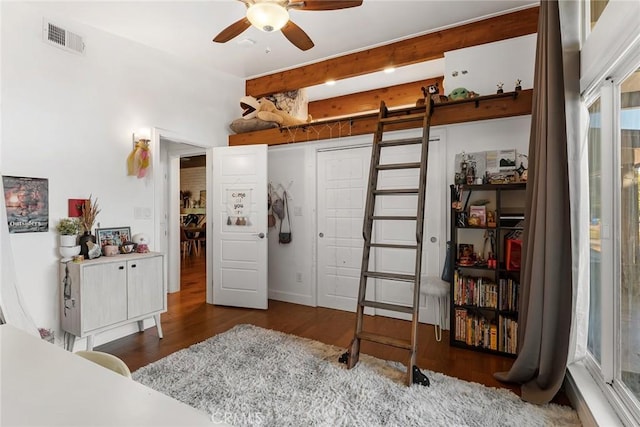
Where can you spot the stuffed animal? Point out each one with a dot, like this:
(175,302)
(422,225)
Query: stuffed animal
(433,91)
(249,121)
(269,113)
(462,93)
(258,114)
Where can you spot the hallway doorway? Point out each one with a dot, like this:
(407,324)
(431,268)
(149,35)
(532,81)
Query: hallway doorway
(171,149)
(193,219)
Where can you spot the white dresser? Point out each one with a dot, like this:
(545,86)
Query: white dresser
(107,292)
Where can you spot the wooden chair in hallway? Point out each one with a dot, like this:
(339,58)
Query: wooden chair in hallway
(187,244)
(200,238)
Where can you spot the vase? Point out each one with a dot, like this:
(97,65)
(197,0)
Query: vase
(68,240)
(68,252)
(84,238)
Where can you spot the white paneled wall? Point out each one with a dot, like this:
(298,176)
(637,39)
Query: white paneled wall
(193,180)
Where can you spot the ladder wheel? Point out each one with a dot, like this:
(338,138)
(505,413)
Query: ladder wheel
(419,377)
(344,358)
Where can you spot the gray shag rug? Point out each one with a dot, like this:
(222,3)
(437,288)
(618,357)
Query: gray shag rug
(254,376)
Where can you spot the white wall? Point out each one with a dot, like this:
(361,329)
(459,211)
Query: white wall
(295,166)
(480,68)
(69,118)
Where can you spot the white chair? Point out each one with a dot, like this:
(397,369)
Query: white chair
(106,360)
(435,287)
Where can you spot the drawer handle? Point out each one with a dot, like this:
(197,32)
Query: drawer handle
(121,268)
(133,266)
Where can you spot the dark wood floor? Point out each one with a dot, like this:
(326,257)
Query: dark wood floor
(190,320)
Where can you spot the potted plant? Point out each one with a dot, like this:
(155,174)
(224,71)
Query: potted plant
(68,229)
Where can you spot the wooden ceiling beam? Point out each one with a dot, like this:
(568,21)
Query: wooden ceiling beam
(362,102)
(405,52)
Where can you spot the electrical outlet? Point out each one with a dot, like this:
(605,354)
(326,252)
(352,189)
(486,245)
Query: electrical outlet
(141,212)
(299,277)
(297,210)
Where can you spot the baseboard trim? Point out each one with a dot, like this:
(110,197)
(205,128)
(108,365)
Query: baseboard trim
(292,298)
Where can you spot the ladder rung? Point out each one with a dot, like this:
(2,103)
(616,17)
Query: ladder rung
(394,218)
(395,142)
(381,339)
(393,246)
(402,119)
(395,191)
(391,166)
(385,306)
(391,276)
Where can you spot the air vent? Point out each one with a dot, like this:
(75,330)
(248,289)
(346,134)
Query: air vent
(59,37)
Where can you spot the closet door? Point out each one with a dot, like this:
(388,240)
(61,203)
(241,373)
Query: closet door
(342,193)
(342,178)
(402,261)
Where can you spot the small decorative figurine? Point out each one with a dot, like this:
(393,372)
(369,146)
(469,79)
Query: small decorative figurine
(500,85)
(518,84)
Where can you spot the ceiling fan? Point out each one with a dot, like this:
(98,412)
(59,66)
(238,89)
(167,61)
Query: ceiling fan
(273,15)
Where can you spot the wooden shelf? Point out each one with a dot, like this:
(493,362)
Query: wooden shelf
(488,107)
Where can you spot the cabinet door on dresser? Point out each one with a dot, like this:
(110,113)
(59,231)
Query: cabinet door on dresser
(103,295)
(146,286)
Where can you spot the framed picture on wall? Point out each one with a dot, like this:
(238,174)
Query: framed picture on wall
(27,203)
(113,236)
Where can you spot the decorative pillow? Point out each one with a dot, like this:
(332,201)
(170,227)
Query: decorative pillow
(249,125)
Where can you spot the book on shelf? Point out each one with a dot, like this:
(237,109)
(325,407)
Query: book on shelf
(493,337)
(509,294)
(508,342)
(475,330)
(479,291)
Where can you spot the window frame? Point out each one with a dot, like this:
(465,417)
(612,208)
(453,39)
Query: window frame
(607,373)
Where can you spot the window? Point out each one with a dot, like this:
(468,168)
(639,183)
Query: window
(610,89)
(628,313)
(595,216)
(613,340)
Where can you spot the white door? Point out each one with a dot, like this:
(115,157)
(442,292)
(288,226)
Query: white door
(402,261)
(342,192)
(239,245)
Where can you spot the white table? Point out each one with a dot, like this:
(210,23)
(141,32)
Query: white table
(43,385)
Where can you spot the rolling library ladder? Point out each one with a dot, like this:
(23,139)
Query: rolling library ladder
(386,121)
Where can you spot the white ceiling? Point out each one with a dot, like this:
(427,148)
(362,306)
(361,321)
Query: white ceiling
(186,28)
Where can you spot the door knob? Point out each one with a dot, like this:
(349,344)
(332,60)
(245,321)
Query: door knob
(433,239)
(321,234)
(261,235)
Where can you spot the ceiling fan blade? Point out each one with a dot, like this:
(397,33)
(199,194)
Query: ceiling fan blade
(327,4)
(297,36)
(232,30)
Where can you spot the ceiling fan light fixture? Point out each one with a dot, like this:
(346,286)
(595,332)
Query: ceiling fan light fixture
(267,16)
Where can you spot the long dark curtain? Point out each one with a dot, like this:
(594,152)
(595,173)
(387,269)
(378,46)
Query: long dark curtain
(545,299)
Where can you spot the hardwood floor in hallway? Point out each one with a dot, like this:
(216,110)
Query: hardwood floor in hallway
(190,320)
